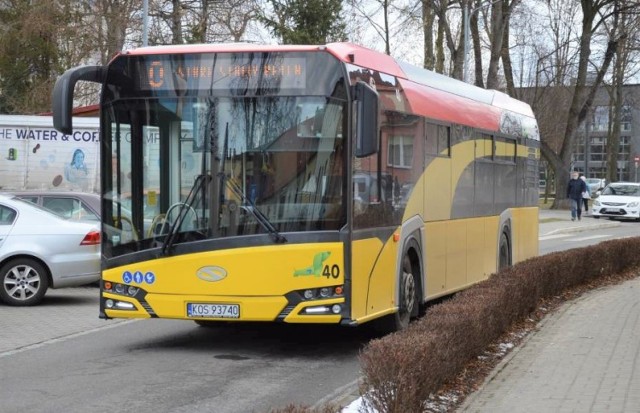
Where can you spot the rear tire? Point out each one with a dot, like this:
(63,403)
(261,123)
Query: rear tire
(24,282)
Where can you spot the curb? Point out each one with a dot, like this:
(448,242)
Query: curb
(582,228)
(341,397)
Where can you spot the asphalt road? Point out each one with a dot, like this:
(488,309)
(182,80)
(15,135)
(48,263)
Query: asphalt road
(176,366)
(569,240)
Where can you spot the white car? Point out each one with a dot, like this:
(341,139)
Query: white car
(41,250)
(618,200)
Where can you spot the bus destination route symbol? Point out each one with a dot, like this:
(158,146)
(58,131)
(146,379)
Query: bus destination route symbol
(156,74)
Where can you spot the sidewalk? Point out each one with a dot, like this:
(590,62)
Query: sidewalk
(583,358)
(559,221)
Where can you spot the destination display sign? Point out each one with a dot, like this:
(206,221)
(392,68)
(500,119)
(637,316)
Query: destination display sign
(209,71)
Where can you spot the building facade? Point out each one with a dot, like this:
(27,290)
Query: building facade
(590,150)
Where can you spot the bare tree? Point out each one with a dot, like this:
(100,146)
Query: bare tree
(594,14)
(628,27)
(369,10)
(500,14)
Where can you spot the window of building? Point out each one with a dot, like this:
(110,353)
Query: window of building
(400,151)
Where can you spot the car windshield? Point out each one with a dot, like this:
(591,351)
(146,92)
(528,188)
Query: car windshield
(622,190)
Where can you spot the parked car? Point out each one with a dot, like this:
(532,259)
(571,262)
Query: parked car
(618,200)
(41,250)
(79,206)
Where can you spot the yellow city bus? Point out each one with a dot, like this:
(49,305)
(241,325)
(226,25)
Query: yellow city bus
(301,184)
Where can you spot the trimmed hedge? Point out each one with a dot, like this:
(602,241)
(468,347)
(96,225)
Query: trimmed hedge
(402,370)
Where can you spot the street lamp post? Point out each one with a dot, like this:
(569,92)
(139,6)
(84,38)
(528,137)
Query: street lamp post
(466,16)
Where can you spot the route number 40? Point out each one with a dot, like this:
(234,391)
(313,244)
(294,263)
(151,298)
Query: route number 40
(333,271)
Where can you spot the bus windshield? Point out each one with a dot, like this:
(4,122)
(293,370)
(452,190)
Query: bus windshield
(211,167)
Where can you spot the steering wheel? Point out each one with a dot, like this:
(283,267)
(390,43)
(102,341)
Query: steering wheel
(157,226)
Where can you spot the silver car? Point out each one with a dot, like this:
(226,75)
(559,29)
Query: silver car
(41,250)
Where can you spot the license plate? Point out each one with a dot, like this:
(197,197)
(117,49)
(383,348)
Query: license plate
(612,210)
(210,310)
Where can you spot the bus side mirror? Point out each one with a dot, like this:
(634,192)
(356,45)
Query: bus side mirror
(62,99)
(366,130)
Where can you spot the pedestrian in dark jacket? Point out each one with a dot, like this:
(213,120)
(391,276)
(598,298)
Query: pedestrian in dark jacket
(575,188)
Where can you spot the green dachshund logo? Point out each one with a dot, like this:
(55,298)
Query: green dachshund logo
(316,268)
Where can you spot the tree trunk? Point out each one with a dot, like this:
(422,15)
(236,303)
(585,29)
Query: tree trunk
(427,29)
(506,63)
(477,49)
(497,28)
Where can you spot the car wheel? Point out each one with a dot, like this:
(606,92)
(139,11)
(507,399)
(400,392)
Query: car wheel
(24,282)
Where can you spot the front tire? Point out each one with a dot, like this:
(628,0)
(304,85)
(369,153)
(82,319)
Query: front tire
(24,282)
(504,254)
(408,304)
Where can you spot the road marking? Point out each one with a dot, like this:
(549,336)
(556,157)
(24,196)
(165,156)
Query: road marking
(554,236)
(65,338)
(588,238)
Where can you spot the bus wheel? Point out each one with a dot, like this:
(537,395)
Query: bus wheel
(504,253)
(408,304)
(408,300)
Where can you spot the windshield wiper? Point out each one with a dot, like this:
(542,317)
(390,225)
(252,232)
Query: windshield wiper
(260,217)
(199,184)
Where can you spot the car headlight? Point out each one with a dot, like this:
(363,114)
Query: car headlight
(596,203)
(633,204)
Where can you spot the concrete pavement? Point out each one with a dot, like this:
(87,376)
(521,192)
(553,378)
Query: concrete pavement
(63,313)
(585,357)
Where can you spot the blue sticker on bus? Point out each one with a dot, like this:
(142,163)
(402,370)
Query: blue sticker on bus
(127,277)
(138,277)
(150,277)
